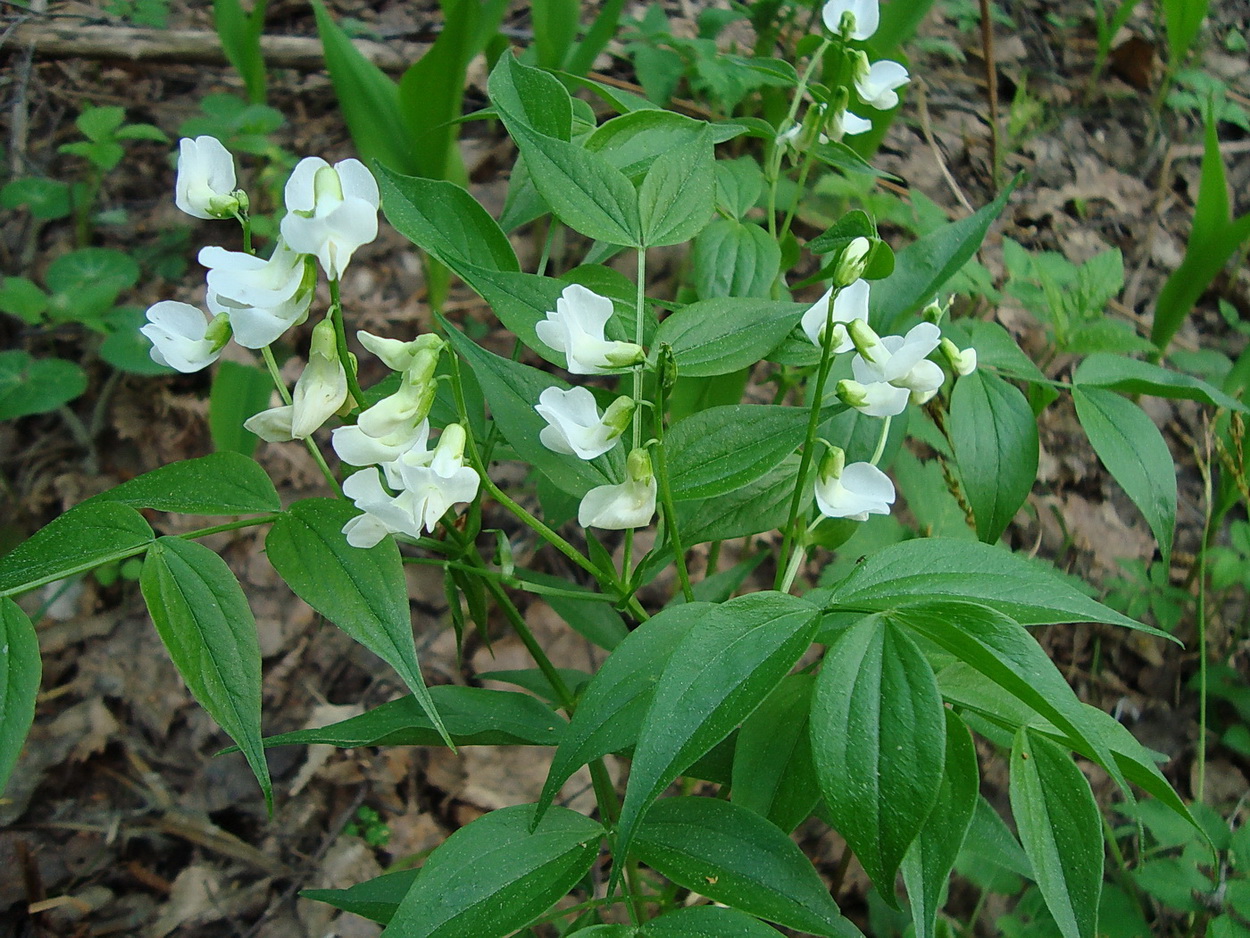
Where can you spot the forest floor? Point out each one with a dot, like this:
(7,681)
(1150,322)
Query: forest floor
(120,820)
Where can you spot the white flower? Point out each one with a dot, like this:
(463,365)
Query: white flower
(877,87)
(874,399)
(396,354)
(575,427)
(429,484)
(319,393)
(205,187)
(853,492)
(866,17)
(899,360)
(851,303)
(331,211)
(962,361)
(575,328)
(357,448)
(183,336)
(265,298)
(629,504)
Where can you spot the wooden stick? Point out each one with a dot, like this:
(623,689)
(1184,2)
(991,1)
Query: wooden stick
(51,39)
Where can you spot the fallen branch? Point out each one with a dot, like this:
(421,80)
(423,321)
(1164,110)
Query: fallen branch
(191,46)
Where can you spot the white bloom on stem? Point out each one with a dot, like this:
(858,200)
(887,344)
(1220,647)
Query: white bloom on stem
(874,399)
(575,328)
(851,303)
(877,87)
(319,393)
(397,423)
(899,360)
(576,427)
(962,361)
(331,211)
(865,17)
(205,187)
(396,354)
(183,337)
(845,124)
(853,492)
(357,448)
(628,504)
(265,297)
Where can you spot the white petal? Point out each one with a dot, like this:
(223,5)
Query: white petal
(814,319)
(852,124)
(916,345)
(176,331)
(205,169)
(273,425)
(861,490)
(365,531)
(298,195)
(575,423)
(883,399)
(867,16)
(357,181)
(617,507)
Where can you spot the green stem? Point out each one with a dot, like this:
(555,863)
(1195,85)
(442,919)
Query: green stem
(885,436)
(666,495)
(245,222)
(639,327)
(813,423)
(340,337)
(773,169)
(272,364)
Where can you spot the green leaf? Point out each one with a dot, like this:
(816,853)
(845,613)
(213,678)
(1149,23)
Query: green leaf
(723,448)
(1130,376)
(727,334)
(92,269)
(474,716)
(928,863)
(86,536)
(240,41)
(532,97)
(936,567)
(611,708)
(734,856)
(593,619)
(375,899)
(369,100)
(1131,447)
(759,506)
(555,30)
(994,434)
(727,664)
(21,297)
(773,771)
(36,385)
(445,221)
(238,392)
(218,484)
(1183,20)
(46,199)
(20,671)
(98,123)
(677,196)
(493,876)
(927,263)
(736,259)
(1060,829)
(361,590)
(512,390)
(707,921)
(205,623)
(739,185)
(879,743)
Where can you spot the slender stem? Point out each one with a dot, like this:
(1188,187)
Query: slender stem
(991,84)
(885,435)
(639,324)
(773,169)
(798,195)
(1201,768)
(813,423)
(340,336)
(272,364)
(666,496)
(245,222)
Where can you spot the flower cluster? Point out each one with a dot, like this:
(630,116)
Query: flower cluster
(331,211)
(575,424)
(876,83)
(390,440)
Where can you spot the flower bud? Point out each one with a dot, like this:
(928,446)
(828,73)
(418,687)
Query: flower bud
(832,465)
(962,362)
(618,416)
(218,332)
(666,366)
(866,341)
(852,262)
(322,388)
(860,66)
(852,393)
(935,311)
(638,466)
(624,355)
(396,354)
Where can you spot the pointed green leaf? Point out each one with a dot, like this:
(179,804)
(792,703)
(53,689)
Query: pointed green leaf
(928,863)
(375,899)
(493,876)
(217,484)
(85,537)
(1131,447)
(677,196)
(723,335)
(1060,829)
(731,258)
(238,392)
(611,708)
(879,743)
(933,567)
(773,771)
(732,855)
(361,590)
(721,449)
(532,97)
(995,437)
(727,664)
(206,625)
(707,921)
(1130,376)
(20,671)
(474,716)
(36,385)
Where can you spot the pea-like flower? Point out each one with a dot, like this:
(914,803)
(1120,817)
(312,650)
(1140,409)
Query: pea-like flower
(265,297)
(899,360)
(877,86)
(331,211)
(851,303)
(575,328)
(184,337)
(396,424)
(628,504)
(865,16)
(853,492)
(576,427)
(205,187)
(319,393)
(962,361)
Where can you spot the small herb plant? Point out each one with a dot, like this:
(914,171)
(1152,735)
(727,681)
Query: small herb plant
(783,688)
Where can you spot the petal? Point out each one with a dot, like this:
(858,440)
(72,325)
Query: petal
(817,314)
(584,310)
(870,484)
(884,399)
(852,302)
(299,195)
(357,182)
(853,124)
(365,531)
(617,507)
(273,425)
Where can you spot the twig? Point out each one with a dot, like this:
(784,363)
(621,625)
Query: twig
(991,82)
(926,127)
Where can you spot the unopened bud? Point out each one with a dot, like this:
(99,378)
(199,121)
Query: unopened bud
(638,466)
(935,311)
(832,465)
(852,393)
(852,262)
(625,355)
(223,206)
(867,342)
(619,415)
(396,354)
(666,366)
(963,362)
(860,66)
